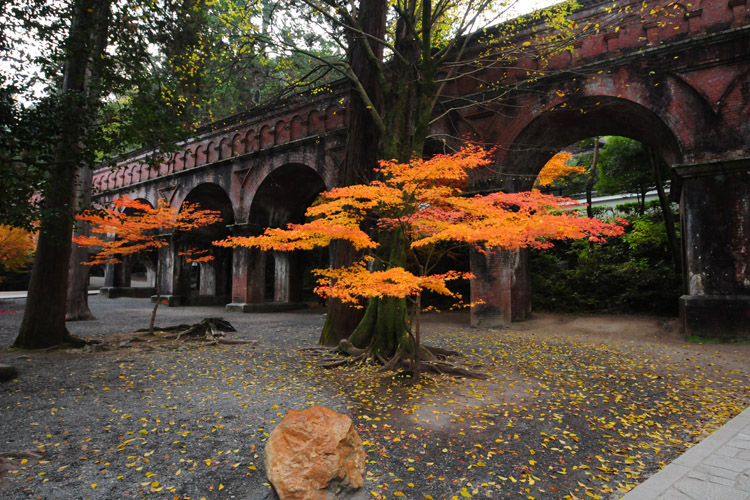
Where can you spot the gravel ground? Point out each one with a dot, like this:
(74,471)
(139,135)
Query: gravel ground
(573,408)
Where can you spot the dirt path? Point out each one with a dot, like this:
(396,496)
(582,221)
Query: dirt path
(575,407)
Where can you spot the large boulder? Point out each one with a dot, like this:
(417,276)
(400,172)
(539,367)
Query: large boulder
(314,454)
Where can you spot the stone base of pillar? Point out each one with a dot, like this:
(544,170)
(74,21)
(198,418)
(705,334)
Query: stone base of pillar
(265,307)
(486,316)
(138,292)
(722,317)
(170,300)
(206,300)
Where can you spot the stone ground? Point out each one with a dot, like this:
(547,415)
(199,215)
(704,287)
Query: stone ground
(574,407)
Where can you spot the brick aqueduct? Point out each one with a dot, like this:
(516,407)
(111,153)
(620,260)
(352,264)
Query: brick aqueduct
(679,83)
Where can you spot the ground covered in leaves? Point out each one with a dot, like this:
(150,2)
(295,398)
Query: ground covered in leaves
(574,408)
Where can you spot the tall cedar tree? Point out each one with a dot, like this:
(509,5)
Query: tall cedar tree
(43,322)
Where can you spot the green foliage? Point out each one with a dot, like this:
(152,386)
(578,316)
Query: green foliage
(624,167)
(628,274)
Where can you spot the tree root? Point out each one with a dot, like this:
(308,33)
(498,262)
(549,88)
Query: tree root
(431,360)
(209,330)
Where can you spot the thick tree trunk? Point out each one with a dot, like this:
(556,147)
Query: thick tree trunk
(384,329)
(43,322)
(361,156)
(341,319)
(77,306)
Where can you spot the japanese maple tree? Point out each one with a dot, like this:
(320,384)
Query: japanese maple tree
(16,248)
(416,207)
(558,168)
(131,227)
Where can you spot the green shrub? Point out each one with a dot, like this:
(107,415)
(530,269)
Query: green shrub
(628,274)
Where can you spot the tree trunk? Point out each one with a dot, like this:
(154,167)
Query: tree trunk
(43,322)
(592,179)
(77,306)
(360,158)
(385,327)
(666,210)
(157,291)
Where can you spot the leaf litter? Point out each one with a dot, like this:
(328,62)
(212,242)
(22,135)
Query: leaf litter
(561,416)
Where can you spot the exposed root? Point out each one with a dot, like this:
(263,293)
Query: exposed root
(441,353)
(334,362)
(431,360)
(209,330)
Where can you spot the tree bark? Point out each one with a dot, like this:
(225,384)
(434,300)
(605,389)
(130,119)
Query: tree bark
(361,155)
(43,322)
(77,305)
(666,210)
(384,329)
(592,179)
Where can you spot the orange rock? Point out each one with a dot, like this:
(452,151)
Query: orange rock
(314,454)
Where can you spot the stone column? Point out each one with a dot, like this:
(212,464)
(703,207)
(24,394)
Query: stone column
(248,278)
(715,223)
(282,277)
(112,275)
(207,278)
(172,282)
(502,283)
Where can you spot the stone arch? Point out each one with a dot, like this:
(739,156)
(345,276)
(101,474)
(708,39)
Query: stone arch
(580,118)
(236,145)
(129,177)
(281,198)
(200,154)
(225,148)
(281,131)
(266,137)
(297,128)
(111,180)
(135,173)
(179,161)
(205,282)
(211,152)
(190,158)
(251,141)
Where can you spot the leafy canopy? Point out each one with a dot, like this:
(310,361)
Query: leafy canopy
(16,248)
(424,200)
(558,169)
(137,227)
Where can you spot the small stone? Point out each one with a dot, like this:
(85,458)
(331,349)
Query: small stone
(314,454)
(7,372)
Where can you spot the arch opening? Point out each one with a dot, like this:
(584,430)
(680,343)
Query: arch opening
(206,283)
(578,119)
(638,273)
(283,198)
